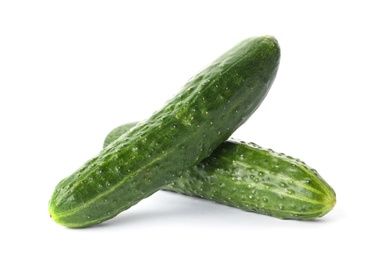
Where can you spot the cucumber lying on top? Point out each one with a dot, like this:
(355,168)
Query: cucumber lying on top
(249,177)
(154,153)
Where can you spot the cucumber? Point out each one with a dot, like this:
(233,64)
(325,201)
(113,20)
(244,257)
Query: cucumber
(249,177)
(207,110)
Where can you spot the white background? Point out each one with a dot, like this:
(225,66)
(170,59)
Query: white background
(70,71)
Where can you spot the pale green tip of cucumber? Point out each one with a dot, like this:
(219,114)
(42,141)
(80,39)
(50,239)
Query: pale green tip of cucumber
(329,204)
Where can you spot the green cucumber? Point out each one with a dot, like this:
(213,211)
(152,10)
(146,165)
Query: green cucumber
(208,109)
(249,177)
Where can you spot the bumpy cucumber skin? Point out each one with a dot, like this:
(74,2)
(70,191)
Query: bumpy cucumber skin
(249,177)
(208,109)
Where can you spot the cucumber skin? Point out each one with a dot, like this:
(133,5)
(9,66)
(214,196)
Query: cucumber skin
(185,131)
(251,178)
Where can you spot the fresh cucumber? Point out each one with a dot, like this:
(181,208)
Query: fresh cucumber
(249,177)
(209,108)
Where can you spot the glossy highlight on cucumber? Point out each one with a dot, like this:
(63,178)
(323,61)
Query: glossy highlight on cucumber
(207,110)
(251,178)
